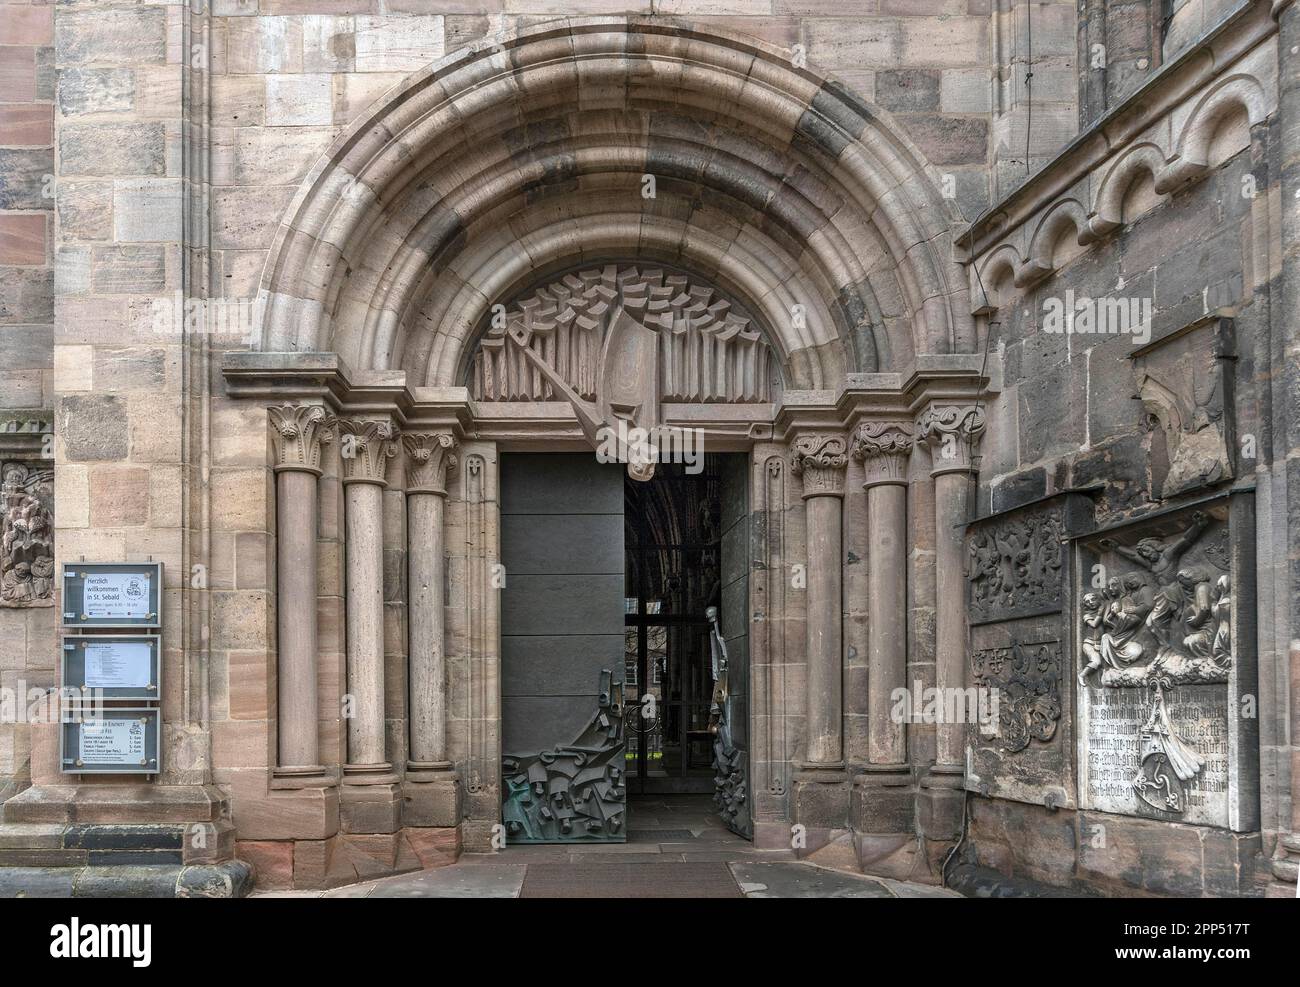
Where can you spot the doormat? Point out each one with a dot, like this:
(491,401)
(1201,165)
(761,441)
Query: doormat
(614,880)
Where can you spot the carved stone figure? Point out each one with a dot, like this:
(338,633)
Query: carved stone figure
(730,771)
(27,536)
(616,342)
(1221,646)
(1016,566)
(1123,616)
(1187,396)
(1161,557)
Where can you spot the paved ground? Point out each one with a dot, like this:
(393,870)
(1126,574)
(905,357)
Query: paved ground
(676,848)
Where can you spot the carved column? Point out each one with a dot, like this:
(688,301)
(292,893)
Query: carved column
(884,448)
(820,798)
(297,433)
(952,433)
(364,450)
(431,793)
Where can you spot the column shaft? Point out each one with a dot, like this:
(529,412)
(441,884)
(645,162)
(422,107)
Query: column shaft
(363,504)
(295,511)
(887,620)
(825,679)
(425,623)
(951,491)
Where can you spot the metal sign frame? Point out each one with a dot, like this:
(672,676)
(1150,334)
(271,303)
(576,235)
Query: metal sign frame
(73,583)
(70,735)
(74,666)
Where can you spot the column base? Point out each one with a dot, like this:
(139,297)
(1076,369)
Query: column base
(941,803)
(380,773)
(370,806)
(882,800)
(431,797)
(288,777)
(821,804)
(882,815)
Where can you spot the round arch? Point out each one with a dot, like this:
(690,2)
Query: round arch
(593,137)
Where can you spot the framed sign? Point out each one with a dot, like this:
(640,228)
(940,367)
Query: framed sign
(114,741)
(112,594)
(113,667)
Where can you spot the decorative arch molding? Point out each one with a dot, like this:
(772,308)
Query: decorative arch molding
(1238,93)
(1174,133)
(1108,208)
(997,268)
(1065,218)
(532,152)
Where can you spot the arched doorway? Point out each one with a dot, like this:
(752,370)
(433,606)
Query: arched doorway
(684,159)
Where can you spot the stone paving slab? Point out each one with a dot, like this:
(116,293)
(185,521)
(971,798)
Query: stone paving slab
(499,881)
(621,880)
(701,874)
(905,889)
(798,880)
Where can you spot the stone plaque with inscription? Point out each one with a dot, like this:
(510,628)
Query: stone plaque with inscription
(1166,653)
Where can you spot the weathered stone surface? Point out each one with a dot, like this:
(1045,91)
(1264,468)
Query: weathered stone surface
(121,35)
(25,179)
(93,427)
(96,91)
(908,90)
(796,194)
(112,149)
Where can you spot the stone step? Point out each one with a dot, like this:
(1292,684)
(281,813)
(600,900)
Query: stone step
(229,879)
(91,844)
(116,804)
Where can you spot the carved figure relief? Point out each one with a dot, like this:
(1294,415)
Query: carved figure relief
(1158,623)
(575,791)
(1162,628)
(1185,390)
(1016,578)
(27,536)
(1015,567)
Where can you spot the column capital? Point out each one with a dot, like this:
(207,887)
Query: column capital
(883,447)
(953,432)
(297,433)
(820,458)
(365,447)
(430,460)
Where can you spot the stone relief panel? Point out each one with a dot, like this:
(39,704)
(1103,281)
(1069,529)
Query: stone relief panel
(1017,581)
(1159,644)
(1185,384)
(703,347)
(1027,677)
(1015,566)
(618,343)
(26,535)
